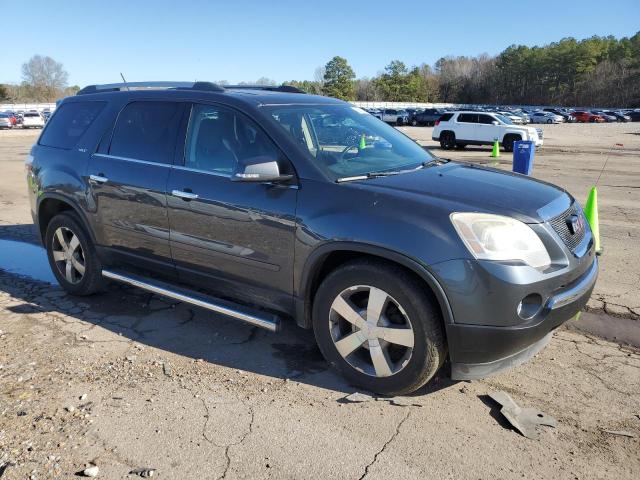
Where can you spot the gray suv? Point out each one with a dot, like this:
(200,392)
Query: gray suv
(269,205)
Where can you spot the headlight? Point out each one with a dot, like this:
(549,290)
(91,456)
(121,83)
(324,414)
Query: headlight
(494,237)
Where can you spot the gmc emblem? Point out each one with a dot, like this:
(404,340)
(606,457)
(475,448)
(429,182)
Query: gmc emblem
(575,224)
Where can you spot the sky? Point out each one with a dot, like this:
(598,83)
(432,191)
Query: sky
(283,40)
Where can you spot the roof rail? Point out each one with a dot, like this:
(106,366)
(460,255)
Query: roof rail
(271,88)
(114,87)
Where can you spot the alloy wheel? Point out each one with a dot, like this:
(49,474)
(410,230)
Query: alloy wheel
(371,331)
(68,255)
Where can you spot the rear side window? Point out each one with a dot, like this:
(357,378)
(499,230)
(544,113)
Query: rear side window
(68,124)
(468,118)
(147,131)
(446,117)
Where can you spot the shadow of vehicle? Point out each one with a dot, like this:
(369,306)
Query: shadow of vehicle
(170,325)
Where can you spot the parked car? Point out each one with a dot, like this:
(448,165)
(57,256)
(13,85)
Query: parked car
(605,116)
(6,121)
(634,116)
(515,119)
(412,113)
(32,120)
(566,116)
(244,203)
(587,117)
(457,130)
(429,116)
(546,117)
(620,116)
(395,116)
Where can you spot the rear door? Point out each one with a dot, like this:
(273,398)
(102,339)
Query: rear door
(235,238)
(128,182)
(466,126)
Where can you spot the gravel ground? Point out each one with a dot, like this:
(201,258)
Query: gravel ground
(127,380)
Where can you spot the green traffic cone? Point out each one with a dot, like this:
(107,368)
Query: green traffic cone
(495,153)
(362,145)
(591,212)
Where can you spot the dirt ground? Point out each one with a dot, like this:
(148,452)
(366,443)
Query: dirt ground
(128,380)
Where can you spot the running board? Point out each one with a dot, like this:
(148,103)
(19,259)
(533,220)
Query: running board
(259,319)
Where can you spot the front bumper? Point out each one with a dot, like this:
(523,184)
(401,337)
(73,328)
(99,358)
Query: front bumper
(482,350)
(489,332)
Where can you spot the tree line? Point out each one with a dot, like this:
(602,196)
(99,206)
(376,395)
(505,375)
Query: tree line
(596,72)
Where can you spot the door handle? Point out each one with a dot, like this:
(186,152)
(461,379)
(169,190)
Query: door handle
(98,179)
(184,195)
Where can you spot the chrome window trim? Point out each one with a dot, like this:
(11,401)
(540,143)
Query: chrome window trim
(134,160)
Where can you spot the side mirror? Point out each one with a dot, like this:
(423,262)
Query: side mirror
(495,122)
(259,169)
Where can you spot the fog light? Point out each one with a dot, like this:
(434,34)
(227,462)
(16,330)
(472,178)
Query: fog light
(530,306)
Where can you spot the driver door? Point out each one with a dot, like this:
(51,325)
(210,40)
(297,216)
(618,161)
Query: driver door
(235,238)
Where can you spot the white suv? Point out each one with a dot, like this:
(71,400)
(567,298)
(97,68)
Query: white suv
(32,120)
(460,129)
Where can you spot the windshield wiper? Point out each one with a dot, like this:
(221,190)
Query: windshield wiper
(435,161)
(367,176)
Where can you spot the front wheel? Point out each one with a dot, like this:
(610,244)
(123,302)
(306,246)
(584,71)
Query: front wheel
(72,256)
(414,123)
(378,328)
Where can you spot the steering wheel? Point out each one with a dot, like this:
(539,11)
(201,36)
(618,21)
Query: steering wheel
(346,149)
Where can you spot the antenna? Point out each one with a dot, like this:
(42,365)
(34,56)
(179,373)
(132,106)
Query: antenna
(125,82)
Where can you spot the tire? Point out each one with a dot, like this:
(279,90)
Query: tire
(447,140)
(414,123)
(549,121)
(399,368)
(78,251)
(508,141)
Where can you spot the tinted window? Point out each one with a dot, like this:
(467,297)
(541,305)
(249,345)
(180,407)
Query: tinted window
(485,119)
(219,138)
(468,118)
(147,131)
(446,117)
(69,122)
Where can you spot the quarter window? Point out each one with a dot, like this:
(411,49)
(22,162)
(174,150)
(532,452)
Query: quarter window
(147,131)
(219,138)
(69,122)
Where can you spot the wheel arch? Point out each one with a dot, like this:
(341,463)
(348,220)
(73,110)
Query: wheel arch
(328,257)
(51,204)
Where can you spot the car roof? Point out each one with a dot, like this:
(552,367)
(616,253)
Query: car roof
(247,94)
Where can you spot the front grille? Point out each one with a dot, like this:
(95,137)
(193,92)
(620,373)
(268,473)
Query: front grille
(561,227)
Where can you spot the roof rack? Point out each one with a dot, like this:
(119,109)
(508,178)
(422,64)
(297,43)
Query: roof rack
(271,88)
(114,87)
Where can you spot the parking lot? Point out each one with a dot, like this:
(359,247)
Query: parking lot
(129,380)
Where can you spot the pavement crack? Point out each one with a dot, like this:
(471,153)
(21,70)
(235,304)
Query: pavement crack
(386,444)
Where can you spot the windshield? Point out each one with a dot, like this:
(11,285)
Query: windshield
(346,141)
(503,119)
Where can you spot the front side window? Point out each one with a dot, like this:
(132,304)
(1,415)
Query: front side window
(345,141)
(218,138)
(147,131)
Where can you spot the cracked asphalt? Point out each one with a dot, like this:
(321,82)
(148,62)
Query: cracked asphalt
(129,380)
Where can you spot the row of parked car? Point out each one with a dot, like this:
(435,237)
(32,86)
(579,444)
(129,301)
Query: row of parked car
(518,116)
(29,119)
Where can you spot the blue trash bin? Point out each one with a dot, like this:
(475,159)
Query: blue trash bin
(523,153)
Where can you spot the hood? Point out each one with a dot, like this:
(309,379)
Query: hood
(469,187)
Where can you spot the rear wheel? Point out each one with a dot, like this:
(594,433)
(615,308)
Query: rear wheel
(549,121)
(414,123)
(376,327)
(72,256)
(447,140)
